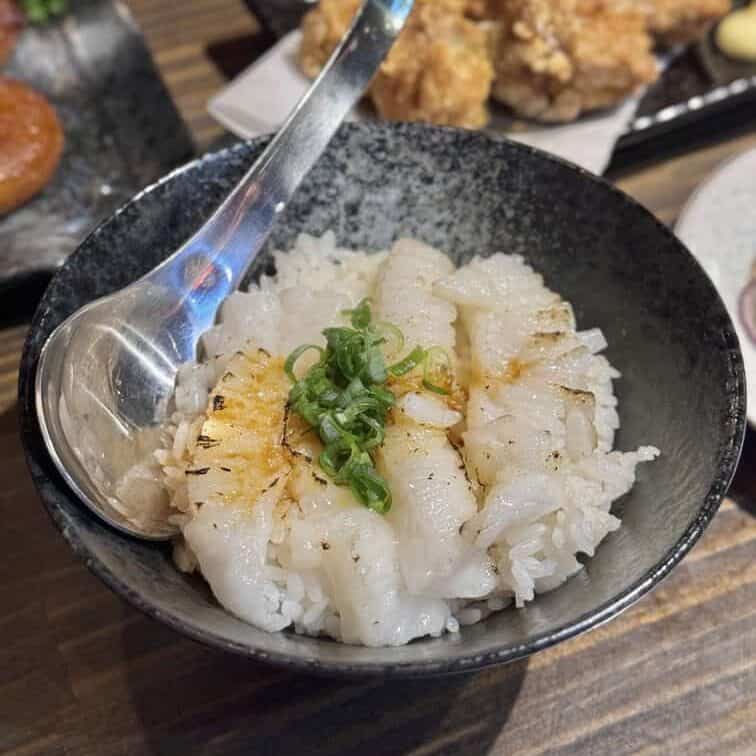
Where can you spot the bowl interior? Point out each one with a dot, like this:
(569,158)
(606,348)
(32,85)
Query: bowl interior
(668,331)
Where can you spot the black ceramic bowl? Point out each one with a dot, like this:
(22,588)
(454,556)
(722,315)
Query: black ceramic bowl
(682,387)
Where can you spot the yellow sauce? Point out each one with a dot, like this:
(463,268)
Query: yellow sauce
(736,34)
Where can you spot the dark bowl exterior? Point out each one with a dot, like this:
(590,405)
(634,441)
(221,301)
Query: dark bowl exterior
(668,331)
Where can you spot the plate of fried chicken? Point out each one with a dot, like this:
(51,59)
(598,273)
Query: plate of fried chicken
(510,66)
(548,60)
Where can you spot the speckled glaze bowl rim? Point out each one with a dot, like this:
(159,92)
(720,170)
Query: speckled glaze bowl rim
(730,454)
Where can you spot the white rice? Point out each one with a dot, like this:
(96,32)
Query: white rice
(518,531)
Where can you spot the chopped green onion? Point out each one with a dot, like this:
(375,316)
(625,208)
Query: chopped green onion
(409,363)
(343,397)
(393,339)
(360,316)
(368,486)
(434,388)
(295,355)
(376,367)
(437,371)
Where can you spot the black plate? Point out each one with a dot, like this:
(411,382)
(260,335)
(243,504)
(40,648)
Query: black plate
(701,93)
(122,132)
(668,331)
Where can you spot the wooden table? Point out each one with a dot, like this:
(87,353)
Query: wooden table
(83,673)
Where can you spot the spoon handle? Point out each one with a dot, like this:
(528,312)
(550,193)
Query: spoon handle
(213,262)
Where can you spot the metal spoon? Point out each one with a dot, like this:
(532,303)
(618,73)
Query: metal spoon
(106,375)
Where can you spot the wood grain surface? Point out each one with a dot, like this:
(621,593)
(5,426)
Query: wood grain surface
(83,673)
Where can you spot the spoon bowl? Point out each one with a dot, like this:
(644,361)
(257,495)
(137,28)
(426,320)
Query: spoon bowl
(104,385)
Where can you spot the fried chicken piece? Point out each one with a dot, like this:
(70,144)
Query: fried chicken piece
(682,21)
(322,30)
(439,69)
(31,143)
(325,25)
(556,59)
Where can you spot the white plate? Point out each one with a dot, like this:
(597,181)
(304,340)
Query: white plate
(718,225)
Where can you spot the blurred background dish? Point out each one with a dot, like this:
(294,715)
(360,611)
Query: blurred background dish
(31,146)
(718,225)
(120,127)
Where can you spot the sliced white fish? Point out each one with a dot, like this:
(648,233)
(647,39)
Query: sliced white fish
(424,408)
(432,499)
(541,418)
(404,295)
(353,551)
(367,588)
(497,283)
(520,501)
(230,543)
(239,453)
(432,496)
